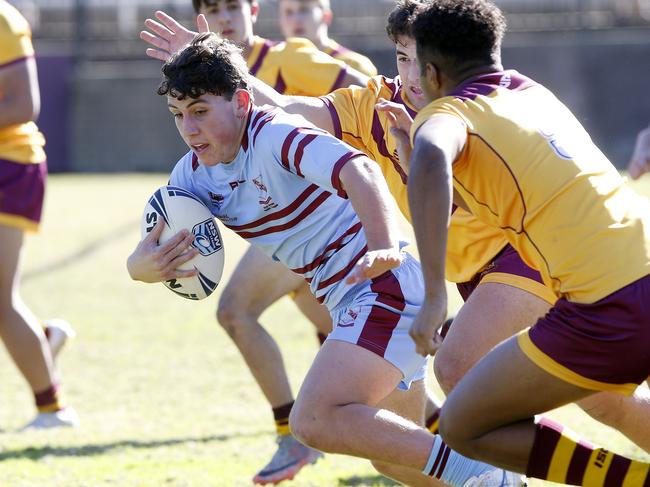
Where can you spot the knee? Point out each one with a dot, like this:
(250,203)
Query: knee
(307,428)
(448,371)
(606,408)
(233,316)
(454,435)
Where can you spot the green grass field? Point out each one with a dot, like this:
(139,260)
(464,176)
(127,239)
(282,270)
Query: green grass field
(163,395)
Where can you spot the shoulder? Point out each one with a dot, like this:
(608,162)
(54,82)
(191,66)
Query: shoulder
(184,170)
(351,58)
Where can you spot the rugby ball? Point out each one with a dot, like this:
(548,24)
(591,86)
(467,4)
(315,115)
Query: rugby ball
(181,209)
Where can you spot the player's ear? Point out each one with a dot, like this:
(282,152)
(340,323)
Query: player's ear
(241,101)
(255,10)
(432,75)
(327,16)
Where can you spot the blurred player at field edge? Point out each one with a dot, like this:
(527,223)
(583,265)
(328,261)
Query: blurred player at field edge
(23,172)
(311,19)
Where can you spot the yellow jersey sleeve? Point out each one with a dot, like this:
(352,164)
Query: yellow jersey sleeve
(357,122)
(15,35)
(295,67)
(351,58)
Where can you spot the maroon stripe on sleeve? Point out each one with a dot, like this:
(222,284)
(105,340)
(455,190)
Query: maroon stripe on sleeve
(290,224)
(278,214)
(336,121)
(338,82)
(334,246)
(343,272)
(617,470)
(578,463)
(547,436)
(379,136)
(260,59)
(336,172)
(443,462)
(286,145)
(262,124)
(15,61)
(280,85)
(300,150)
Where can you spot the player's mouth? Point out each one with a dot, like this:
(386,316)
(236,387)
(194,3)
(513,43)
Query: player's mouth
(200,148)
(227,32)
(416,90)
(299,32)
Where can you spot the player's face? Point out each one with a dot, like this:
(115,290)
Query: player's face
(301,18)
(232,19)
(210,125)
(409,71)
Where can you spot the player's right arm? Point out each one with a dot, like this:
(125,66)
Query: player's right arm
(151,262)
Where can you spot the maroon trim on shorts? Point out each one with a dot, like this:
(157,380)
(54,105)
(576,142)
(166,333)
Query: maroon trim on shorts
(22,189)
(507,261)
(607,341)
(378,328)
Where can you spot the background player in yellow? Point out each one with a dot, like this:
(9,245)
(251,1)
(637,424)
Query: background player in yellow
(23,172)
(294,66)
(504,295)
(520,162)
(310,19)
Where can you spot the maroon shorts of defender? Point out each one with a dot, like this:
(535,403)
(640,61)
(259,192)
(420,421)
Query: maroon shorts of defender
(508,262)
(607,341)
(22,188)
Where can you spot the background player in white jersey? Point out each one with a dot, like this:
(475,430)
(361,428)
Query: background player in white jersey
(347,249)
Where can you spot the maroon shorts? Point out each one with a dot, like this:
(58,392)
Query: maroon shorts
(600,346)
(22,188)
(508,268)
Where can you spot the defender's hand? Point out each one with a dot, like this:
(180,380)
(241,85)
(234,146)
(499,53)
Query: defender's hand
(431,316)
(374,264)
(400,122)
(168,35)
(151,262)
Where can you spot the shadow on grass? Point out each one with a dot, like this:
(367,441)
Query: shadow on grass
(377,480)
(36,453)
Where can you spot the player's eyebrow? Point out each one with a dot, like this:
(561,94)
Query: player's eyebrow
(171,105)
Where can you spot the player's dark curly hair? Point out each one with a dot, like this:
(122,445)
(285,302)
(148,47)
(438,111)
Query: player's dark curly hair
(401,18)
(208,64)
(197,4)
(460,31)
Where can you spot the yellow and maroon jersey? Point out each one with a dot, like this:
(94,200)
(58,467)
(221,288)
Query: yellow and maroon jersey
(530,170)
(471,244)
(23,142)
(353,59)
(295,67)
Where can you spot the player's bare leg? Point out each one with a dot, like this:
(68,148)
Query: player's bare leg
(25,340)
(493,420)
(496,311)
(337,411)
(256,283)
(312,309)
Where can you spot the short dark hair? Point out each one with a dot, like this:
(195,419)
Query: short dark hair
(460,31)
(209,64)
(401,18)
(197,4)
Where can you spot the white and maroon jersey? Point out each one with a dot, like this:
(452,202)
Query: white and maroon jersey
(283,194)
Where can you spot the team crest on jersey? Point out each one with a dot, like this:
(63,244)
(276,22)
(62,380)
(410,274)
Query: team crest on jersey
(206,237)
(216,199)
(264,199)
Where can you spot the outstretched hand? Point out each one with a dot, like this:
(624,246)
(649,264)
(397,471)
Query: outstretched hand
(400,122)
(374,264)
(151,262)
(168,36)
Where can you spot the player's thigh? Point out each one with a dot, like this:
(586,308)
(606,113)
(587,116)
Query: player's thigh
(493,312)
(409,403)
(257,282)
(501,389)
(312,309)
